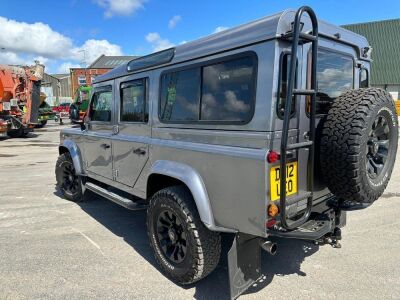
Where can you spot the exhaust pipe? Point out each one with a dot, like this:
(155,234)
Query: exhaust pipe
(269,246)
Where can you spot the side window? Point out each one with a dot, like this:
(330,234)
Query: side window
(220,92)
(228,91)
(180,93)
(283,85)
(364,78)
(100,108)
(334,76)
(133,101)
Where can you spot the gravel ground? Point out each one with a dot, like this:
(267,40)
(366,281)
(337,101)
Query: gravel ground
(51,248)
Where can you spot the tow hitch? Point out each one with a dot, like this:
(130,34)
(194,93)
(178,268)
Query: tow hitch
(332,239)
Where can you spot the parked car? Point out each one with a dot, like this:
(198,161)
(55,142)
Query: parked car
(62,112)
(199,135)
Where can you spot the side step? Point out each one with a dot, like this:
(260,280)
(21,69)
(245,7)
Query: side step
(125,202)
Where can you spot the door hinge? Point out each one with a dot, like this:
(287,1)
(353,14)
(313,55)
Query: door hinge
(115,129)
(115,174)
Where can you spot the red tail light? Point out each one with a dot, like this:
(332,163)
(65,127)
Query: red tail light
(272,157)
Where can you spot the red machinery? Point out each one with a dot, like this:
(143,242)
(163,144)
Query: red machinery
(19,99)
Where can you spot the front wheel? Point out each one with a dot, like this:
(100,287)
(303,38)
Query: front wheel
(68,181)
(184,248)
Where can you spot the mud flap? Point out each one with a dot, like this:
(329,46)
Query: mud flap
(244,263)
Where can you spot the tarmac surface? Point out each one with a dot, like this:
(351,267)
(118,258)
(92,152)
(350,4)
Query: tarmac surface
(51,248)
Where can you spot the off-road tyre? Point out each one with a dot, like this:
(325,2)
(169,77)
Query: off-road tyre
(64,166)
(203,245)
(345,145)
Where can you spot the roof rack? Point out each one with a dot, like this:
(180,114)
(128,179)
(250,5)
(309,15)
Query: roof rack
(154,59)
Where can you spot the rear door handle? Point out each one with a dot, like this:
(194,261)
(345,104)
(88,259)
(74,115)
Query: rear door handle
(105,146)
(139,151)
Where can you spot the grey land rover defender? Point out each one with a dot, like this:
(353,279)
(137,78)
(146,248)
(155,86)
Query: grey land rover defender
(199,135)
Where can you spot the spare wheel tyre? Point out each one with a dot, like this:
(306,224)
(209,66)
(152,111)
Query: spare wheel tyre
(359,145)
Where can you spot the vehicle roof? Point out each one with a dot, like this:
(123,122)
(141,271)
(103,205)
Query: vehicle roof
(266,28)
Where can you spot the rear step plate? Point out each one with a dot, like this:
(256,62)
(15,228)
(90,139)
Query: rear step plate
(311,230)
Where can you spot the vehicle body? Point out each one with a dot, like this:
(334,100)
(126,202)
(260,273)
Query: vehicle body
(81,101)
(61,111)
(19,98)
(217,119)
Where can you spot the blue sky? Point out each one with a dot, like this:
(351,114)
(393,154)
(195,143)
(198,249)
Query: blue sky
(57,32)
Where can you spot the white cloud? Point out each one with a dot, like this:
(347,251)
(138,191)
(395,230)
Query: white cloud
(157,42)
(120,7)
(64,67)
(35,38)
(92,49)
(24,43)
(220,28)
(174,21)
(10,58)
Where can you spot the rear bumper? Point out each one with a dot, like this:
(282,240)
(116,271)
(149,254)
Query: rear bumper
(323,220)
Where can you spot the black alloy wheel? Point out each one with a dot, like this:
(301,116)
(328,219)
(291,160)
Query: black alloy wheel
(378,146)
(172,236)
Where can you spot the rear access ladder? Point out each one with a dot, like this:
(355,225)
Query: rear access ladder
(297,37)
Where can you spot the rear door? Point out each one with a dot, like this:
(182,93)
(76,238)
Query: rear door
(335,75)
(130,144)
(97,145)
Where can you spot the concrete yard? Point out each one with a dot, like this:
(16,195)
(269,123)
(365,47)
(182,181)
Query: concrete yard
(51,248)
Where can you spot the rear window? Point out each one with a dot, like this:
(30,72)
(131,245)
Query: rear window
(220,92)
(334,76)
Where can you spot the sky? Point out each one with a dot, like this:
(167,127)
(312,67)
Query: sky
(72,33)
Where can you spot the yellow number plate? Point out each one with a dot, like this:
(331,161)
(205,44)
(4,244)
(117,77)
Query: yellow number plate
(291,180)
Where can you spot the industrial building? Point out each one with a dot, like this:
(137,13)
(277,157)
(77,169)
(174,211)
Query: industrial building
(384,37)
(57,88)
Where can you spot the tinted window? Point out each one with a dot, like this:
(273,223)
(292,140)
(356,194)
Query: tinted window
(180,95)
(100,109)
(285,69)
(222,92)
(133,101)
(334,76)
(228,91)
(363,78)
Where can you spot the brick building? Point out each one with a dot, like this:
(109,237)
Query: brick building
(85,76)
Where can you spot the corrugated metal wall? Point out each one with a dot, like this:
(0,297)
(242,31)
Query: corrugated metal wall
(384,37)
(57,90)
(65,87)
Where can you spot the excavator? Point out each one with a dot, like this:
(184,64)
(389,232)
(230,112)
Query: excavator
(19,99)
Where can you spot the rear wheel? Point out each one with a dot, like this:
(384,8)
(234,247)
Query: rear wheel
(184,248)
(68,181)
(359,145)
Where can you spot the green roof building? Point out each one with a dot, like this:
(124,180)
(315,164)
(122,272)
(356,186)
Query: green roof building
(384,37)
